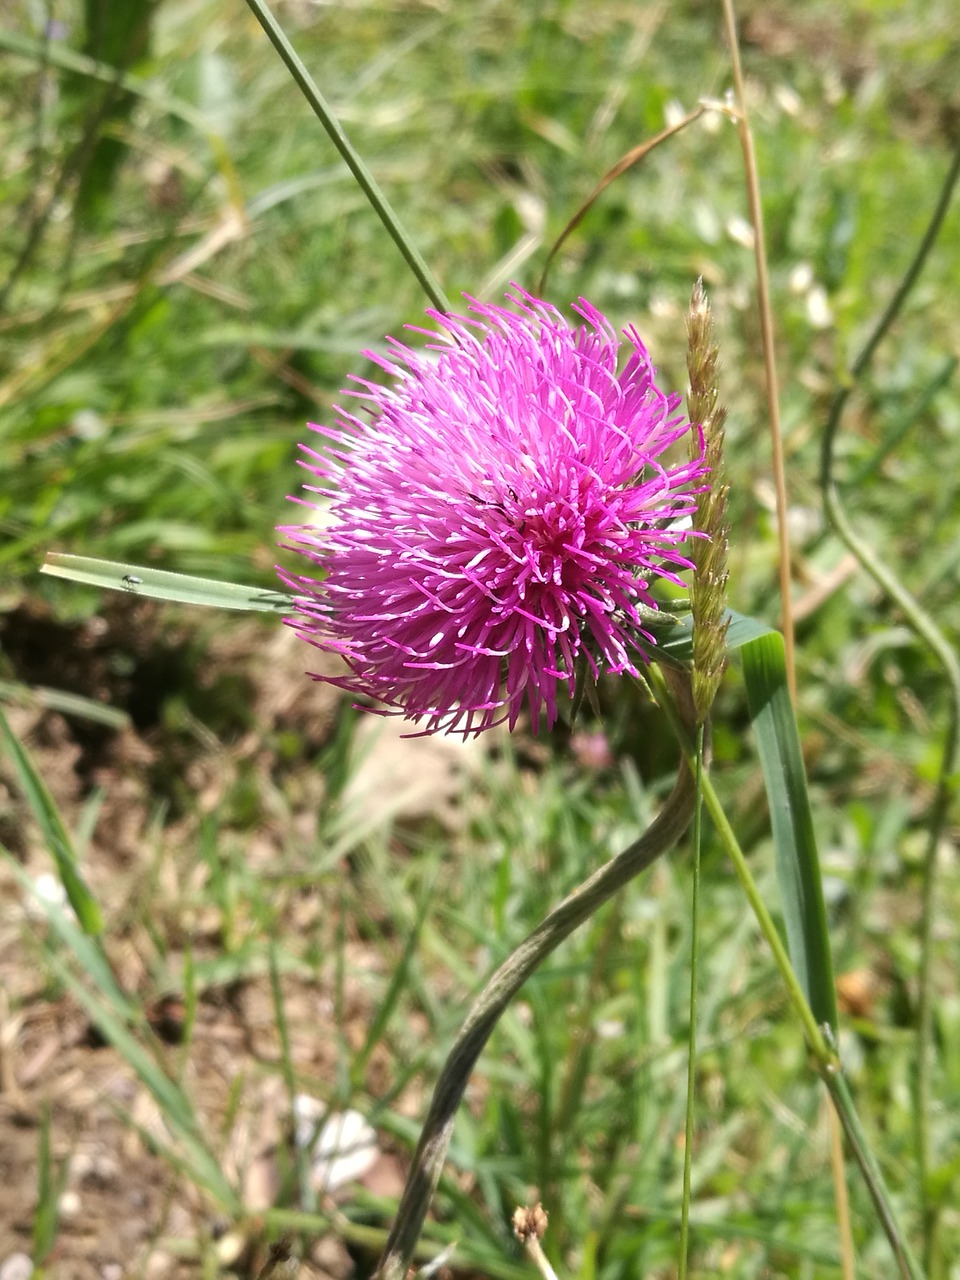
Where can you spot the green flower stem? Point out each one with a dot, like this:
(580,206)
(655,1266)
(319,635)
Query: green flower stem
(826,1057)
(859,1143)
(694,1004)
(662,834)
(828,1063)
(926,628)
(351,157)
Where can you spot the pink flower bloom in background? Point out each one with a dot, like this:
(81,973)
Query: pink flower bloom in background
(500,515)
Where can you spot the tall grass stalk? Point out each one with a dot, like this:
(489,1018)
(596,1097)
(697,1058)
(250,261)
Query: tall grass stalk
(351,157)
(767,340)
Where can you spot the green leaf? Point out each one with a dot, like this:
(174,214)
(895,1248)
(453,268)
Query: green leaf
(55,833)
(365,179)
(399,982)
(798,863)
(113,1013)
(675,637)
(88,952)
(51,1183)
(68,704)
(174,1104)
(161,584)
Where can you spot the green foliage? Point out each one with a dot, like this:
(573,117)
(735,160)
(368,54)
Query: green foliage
(187,279)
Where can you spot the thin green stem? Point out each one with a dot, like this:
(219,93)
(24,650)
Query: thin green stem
(828,1063)
(926,628)
(841,1196)
(365,179)
(825,1056)
(859,1144)
(694,1001)
(302,1153)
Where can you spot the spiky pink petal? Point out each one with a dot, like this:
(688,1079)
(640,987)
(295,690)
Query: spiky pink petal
(497,514)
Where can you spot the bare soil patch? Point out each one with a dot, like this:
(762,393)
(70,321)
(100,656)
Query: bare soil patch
(211,712)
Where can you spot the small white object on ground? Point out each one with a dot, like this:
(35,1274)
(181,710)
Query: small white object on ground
(345,1147)
(16,1266)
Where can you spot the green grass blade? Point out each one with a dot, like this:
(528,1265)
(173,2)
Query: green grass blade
(111,1011)
(172,1101)
(51,1181)
(88,952)
(161,584)
(56,54)
(55,833)
(743,629)
(798,863)
(365,179)
(191,1004)
(398,983)
(675,640)
(682,1269)
(52,52)
(302,1154)
(68,704)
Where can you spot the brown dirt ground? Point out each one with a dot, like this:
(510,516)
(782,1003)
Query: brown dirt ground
(123,1210)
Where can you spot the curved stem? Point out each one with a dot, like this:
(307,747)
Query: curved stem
(365,179)
(633,156)
(663,833)
(926,628)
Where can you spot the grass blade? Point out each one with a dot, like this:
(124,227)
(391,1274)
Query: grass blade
(398,983)
(51,1182)
(112,1012)
(675,640)
(365,179)
(173,1103)
(161,584)
(68,704)
(55,833)
(302,1153)
(797,860)
(87,952)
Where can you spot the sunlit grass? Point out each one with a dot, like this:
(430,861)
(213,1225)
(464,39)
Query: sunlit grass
(161,354)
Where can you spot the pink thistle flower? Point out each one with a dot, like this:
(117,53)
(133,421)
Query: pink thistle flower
(494,528)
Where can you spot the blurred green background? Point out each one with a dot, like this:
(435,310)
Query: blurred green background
(187,276)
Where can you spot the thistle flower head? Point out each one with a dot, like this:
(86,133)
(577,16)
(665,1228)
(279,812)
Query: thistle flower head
(495,518)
